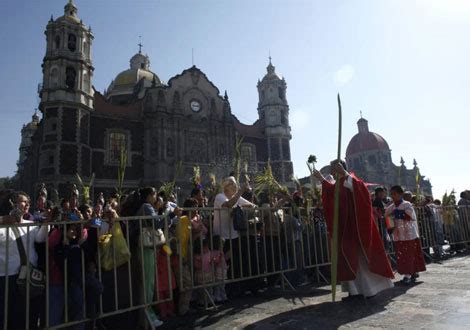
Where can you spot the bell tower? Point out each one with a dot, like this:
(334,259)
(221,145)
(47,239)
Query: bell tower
(66,99)
(273,111)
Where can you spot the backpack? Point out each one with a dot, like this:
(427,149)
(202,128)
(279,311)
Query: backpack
(240,222)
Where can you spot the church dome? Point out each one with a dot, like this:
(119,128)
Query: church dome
(138,74)
(365,140)
(133,76)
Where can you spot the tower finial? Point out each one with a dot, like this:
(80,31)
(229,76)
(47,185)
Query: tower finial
(70,9)
(140,45)
(360,113)
(270,67)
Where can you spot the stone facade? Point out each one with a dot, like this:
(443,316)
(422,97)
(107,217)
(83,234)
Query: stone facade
(160,125)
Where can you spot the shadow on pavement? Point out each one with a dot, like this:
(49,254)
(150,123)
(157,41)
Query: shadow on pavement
(244,305)
(327,315)
(331,315)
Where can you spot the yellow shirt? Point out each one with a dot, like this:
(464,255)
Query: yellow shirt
(183,230)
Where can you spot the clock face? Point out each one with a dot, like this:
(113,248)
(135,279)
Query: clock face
(195,106)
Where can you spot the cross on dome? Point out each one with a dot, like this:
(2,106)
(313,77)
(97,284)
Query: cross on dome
(140,45)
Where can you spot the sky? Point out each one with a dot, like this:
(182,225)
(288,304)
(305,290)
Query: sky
(403,63)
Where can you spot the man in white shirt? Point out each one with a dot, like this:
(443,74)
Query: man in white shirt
(10,265)
(223,224)
(223,203)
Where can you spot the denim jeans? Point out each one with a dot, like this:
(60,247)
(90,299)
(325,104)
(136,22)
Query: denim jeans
(75,305)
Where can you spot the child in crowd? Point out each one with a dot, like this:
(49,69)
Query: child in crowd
(218,258)
(198,229)
(74,237)
(407,244)
(203,263)
(93,287)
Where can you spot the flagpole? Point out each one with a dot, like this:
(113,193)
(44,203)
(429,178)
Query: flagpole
(334,243)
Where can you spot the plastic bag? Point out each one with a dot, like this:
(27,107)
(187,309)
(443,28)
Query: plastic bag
(114,241)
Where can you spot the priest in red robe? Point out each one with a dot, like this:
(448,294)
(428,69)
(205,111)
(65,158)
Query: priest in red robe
(363,267)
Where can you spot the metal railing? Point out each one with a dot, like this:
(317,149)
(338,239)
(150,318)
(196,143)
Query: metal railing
(118,274)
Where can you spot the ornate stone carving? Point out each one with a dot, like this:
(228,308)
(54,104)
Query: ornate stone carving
(197,150)
(195,77)
(148,105)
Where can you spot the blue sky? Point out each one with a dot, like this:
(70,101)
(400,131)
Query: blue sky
(403,63)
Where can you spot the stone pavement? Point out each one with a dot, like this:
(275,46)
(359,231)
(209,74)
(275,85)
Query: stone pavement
(439,300)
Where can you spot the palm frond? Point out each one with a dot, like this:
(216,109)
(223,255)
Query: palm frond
(237,158)
(167,188)
(196,179)
(312,159)
(298,185)
(92,180)
(79,179)
(266,182)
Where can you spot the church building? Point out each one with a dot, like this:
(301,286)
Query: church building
(369,156)
(158,125)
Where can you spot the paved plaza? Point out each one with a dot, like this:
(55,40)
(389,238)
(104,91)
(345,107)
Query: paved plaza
(439,300)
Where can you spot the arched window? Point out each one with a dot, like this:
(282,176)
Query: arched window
(72,43)
(86,49)
(117,144)
(281,93)
(283,118)
(86,82)
(70,77)
(170,152)
(247,154)
(54,78)
(57,42)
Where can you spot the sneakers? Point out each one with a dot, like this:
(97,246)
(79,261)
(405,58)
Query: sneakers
(157,323)
(152,319)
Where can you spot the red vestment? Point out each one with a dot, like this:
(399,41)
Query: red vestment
(357,230)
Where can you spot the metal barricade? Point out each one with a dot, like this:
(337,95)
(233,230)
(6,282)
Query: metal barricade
(273,248)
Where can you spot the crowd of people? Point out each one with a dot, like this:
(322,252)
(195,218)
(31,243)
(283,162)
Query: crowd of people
(171,260)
